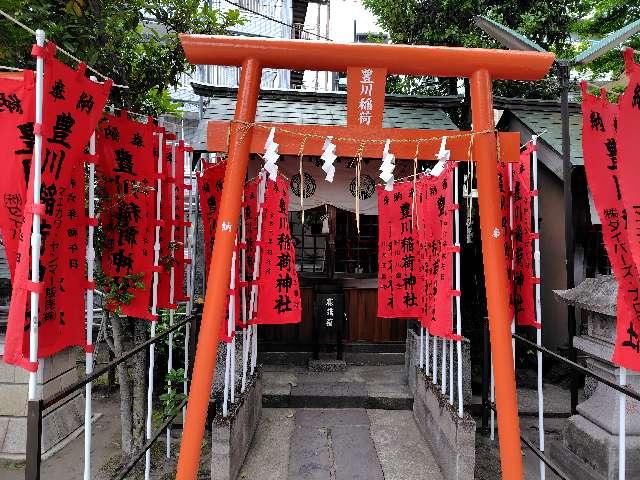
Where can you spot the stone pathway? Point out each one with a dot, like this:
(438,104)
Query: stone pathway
(371,387)
(338,444)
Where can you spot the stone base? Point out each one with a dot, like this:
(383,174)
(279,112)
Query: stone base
(452,439)
(58,422)
(412,360)
(327,366)
(591,453)
(232,436)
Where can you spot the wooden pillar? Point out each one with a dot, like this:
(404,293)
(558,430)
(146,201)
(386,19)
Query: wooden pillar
(495,275)
(219,271)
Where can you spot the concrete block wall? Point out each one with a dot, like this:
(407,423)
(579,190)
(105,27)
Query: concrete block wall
(231,436)
(451,438)
(59,421)
(412,360)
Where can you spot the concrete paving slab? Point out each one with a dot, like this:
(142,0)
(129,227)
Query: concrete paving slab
(403,453)
(329,390)
(268,457)
(309,458)
(351,417)
(354,453)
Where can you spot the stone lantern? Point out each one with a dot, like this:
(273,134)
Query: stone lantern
(589,445)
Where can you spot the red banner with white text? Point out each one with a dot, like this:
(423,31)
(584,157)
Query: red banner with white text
(128,172)
(279,291)
(600,146)
(72,107)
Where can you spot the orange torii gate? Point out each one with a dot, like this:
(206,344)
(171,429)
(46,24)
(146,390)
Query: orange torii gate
(481,66)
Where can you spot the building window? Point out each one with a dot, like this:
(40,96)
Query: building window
(328,243)
(356,254)
(310,239)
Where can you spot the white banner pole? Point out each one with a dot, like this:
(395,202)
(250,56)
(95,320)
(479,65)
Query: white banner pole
(421,349)
(536,256)
(243,292)
(88,368)
(256,269)
(458,299)
(189,234)
(513,320)
(172,281)
(36,239)
(154,300)
(622,434)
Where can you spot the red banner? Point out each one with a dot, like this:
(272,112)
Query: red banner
(504,187)
(400,279)
(600,146)
(210,187)
(178,274)
(167,250)
(522,279)
(436,230)
(628,163)
(17,111)
(129,171)
(279,291)
(72,107)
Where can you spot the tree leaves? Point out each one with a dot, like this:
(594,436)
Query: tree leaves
(134,42)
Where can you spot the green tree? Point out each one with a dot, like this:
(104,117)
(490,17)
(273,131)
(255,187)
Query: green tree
(607,16)
(135,42)
(450,23)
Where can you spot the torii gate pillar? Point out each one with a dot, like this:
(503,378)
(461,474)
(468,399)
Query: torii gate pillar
(481,67)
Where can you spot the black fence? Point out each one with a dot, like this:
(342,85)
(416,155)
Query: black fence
(36,408)
(488,406)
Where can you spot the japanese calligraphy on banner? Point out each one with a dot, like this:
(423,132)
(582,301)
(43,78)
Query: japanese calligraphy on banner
(17,111)
(128,172)
(400,278)
(210,188)
(599,141)
(504,187)
(279,291)
(72,107)
(436,232)
(168,250)
(210,185)
(624,158)
(522,275)
(179,271)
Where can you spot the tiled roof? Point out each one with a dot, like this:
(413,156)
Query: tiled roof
(544,116)
(323,109)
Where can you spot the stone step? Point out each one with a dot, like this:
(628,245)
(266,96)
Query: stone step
(338,395)
(327,365)
(350,357)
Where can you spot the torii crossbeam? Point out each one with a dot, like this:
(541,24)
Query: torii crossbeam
(481,66)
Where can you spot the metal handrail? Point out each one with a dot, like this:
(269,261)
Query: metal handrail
(578,367)
(55,398)
(132,463)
